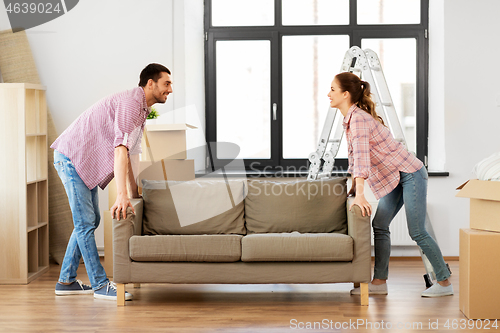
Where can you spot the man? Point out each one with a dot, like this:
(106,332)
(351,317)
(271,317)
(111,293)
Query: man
(95,148)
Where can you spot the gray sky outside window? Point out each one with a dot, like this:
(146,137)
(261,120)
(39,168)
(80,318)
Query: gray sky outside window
(244,96)
(242,13)
(388,11)
(309,65)
(398,57)
(315,12)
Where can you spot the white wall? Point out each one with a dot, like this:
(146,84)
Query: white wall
(469,87)
(87,54)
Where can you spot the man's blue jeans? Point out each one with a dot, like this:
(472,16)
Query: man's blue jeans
(412,192)
(84,206)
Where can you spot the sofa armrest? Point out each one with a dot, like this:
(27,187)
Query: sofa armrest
(358,227)
(122,231)
(138,205)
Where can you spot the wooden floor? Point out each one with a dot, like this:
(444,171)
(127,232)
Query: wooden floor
(230,308)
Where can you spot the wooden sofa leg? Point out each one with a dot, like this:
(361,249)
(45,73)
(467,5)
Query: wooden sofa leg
(120,294)
(356,284)
(137,285)
(364,293)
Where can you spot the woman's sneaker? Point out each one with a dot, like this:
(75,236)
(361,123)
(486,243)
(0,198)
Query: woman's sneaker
(438,290)
(109,292)
(75,288)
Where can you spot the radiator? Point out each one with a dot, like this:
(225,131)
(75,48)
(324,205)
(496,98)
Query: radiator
(398,228)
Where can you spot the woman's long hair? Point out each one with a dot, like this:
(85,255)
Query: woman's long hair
(360,93)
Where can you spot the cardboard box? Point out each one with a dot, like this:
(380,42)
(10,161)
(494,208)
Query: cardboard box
(484,203)
(166,141)
(479,274)
(181,170)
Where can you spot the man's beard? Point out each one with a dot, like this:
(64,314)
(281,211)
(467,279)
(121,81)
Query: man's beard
(158,96)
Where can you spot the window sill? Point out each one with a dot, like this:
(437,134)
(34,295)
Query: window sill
(278,174)
(438,173)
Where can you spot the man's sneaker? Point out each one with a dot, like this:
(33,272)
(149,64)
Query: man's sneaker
(75,288)
(438,290)
(373,289)
(109,292)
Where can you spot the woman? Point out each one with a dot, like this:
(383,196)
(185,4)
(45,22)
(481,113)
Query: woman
(395,177)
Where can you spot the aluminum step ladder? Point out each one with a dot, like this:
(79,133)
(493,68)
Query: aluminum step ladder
(365,64)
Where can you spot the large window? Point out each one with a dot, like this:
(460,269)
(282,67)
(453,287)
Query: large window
(269,65)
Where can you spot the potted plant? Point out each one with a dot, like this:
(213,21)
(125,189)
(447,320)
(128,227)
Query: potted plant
(151,119)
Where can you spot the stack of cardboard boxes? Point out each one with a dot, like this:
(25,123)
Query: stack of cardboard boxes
(480,251)
(164,154)
(164,157)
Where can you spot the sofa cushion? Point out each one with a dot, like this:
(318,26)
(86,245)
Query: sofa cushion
(193,207)
(195,248)
(297,247)
(296,205)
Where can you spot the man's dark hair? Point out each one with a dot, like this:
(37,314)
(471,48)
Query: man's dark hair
(153,72)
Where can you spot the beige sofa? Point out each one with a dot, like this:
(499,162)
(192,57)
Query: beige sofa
(242,232)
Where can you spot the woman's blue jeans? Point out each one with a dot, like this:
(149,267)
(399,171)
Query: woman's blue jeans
(412,192)
(84,206)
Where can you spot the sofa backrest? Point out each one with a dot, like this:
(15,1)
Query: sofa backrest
(193,207)
(296,205)
(213,206)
